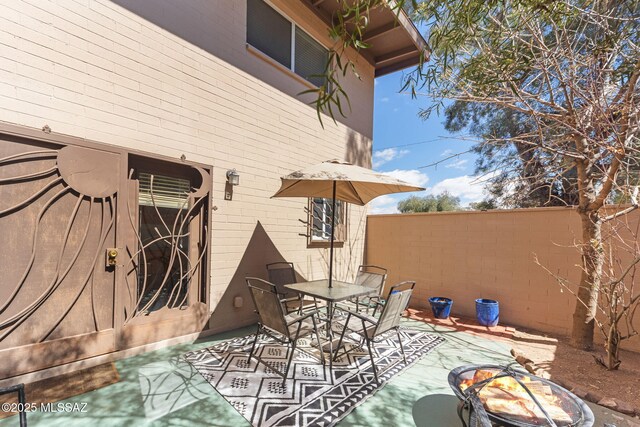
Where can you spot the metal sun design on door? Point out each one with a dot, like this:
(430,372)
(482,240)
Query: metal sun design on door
(64,210)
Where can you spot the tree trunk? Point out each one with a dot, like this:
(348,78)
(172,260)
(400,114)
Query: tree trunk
(592,263)
(613,349)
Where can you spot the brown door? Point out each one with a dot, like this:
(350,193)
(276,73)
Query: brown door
(101,250)
(58,208)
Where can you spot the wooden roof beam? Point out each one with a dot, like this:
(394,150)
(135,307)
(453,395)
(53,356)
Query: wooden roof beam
(380,31)
(400,65)
(396,55)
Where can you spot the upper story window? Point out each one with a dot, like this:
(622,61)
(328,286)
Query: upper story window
(285,42)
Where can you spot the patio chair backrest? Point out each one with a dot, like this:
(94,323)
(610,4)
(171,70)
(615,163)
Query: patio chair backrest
(268,306)
(394,307)
(280,274)
(371,276)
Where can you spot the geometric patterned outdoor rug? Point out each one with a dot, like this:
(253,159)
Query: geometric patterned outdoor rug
(308,398)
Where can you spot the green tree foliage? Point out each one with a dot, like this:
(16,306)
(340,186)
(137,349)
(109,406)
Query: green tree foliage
(440,203)
(484,205)
(568,69)
(522,175)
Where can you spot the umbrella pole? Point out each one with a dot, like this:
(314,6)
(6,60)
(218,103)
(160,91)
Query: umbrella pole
(333,227)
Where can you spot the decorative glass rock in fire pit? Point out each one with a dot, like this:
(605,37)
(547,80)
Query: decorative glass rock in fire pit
(508,397)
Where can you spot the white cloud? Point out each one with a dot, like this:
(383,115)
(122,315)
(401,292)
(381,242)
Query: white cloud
(411,176)
(386,154)
(458,164)
(384,99)
(469,188)
(381,157)
(447,152)
(386,204)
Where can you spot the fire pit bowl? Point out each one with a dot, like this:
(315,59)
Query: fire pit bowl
(509,397)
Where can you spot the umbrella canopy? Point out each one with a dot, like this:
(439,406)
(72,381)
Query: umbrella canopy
(338,180)
(354,184)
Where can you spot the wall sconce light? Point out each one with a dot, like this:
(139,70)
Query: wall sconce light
(233,177)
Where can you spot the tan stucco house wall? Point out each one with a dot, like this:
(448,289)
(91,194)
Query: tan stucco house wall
(178,80)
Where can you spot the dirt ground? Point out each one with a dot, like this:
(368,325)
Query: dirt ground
(566,364)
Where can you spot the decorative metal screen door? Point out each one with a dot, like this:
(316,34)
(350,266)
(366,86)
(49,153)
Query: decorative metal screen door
(57,215)
(101,250)
(166,251)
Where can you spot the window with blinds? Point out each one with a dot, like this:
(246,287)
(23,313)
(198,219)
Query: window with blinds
(271,33)
(311,58)
(163,233)
(163,191)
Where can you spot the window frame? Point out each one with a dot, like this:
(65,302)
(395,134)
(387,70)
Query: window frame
(341,235)
(292,66)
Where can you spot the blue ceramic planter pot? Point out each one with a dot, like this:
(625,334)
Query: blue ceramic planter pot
(487,312)
(441,307)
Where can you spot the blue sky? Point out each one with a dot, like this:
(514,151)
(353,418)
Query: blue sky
(396,131)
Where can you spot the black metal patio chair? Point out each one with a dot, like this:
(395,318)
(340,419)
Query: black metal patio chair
(273,321)
(371,328)
(372,277)
(379,302)
(280,274)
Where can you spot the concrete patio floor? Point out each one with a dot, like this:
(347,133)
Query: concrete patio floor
(159,389)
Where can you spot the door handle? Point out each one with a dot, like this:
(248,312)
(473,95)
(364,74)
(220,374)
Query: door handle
(111,259)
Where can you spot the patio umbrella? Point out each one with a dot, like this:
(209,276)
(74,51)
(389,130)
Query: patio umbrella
(337,180)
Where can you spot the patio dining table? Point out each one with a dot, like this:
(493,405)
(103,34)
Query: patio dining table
(340,291)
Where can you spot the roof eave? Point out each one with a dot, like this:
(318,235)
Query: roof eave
(409,51)
(406,58)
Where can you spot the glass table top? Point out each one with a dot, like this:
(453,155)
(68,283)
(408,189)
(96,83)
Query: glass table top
(339,292)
